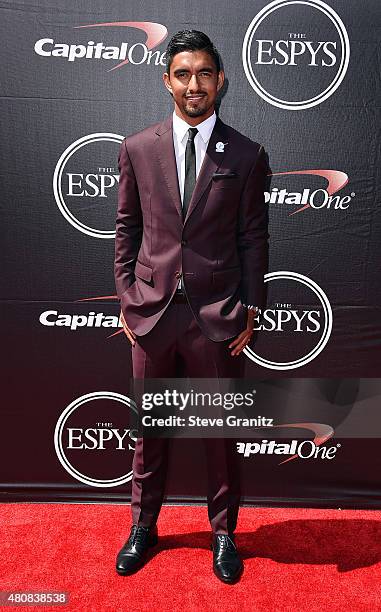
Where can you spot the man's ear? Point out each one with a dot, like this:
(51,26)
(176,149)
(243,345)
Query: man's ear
(167,82)
(220,79)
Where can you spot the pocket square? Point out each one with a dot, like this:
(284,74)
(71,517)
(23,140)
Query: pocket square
(218,175)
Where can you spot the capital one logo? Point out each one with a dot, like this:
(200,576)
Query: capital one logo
(317,199)
(85,184)
(305,449)
(296,53)
(291,334)
(124,53)
(94,441)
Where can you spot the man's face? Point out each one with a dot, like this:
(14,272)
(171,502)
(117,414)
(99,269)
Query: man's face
(194,83)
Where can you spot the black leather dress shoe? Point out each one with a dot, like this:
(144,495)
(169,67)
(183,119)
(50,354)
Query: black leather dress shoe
(227,564)
(132,555)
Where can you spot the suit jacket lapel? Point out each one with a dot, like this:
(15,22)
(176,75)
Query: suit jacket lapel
(210,164)
(166,155)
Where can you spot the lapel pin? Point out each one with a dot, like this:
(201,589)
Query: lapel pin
(220,147)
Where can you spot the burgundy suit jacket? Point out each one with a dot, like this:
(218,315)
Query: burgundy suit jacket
(220,251)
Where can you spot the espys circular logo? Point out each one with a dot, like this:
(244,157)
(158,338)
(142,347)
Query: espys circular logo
(298,333)
(295,53)
(85,183)
(92,440)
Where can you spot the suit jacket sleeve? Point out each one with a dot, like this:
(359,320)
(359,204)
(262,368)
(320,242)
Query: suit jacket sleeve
(129,224)
(252,238)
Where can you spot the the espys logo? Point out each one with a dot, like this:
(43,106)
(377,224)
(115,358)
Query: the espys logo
(124,53)
(298,334)
(93,440)
(296,53)
(85,191)
(317,199)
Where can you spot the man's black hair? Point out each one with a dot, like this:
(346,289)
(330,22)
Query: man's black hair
(191,40)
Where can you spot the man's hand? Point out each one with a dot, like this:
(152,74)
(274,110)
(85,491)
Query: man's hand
(129,333)
(244,337)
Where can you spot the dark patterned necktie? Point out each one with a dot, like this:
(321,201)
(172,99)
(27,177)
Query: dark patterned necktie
(190,169)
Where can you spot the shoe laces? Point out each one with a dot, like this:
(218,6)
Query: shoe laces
(139,535)
(225,541)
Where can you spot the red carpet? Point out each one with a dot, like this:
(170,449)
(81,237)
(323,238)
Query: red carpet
(295,559)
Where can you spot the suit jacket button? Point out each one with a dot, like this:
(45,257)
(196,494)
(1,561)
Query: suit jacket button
(178,275)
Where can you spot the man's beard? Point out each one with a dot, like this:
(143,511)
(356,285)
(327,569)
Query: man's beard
(195,111)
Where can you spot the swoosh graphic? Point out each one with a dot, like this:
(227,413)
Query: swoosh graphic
(103,297)
(336,181)
(120,331)
(155,32)
(322,433)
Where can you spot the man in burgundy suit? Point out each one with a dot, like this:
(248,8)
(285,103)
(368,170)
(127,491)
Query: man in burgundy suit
(191,252)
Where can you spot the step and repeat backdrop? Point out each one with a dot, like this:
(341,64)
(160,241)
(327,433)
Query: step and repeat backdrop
(303,79)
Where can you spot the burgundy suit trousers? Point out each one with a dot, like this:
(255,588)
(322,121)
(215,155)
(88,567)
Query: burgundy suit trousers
(174,348)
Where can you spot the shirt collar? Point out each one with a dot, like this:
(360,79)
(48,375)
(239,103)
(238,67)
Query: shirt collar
(181,127)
